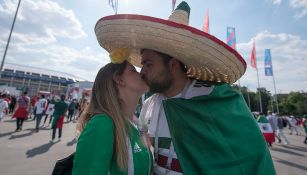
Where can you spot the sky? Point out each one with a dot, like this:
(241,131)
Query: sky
(59,34)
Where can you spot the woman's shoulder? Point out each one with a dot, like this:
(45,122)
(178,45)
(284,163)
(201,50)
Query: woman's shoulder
(101,119)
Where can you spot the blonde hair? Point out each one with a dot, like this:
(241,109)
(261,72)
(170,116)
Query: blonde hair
(105,99)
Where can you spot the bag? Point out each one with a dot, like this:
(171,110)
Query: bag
(284,121)
(64,166)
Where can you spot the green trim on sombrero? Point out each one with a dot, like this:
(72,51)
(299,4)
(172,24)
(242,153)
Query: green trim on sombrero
(185,7)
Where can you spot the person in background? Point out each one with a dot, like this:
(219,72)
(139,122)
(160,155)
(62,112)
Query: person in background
(60,109)
(71,109)
(280,127)
(110,141)
(49,111)
(40,106)
(32,109)
(3,106)
(272,118)
(305,127)
(12,104)
(21,110)
(293,124)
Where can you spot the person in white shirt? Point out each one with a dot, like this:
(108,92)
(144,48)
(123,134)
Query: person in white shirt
(3,106)
(40,105)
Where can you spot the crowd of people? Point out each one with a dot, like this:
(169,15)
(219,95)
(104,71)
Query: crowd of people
(273,126)
(40,108)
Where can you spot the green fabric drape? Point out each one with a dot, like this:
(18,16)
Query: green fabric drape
(216,134)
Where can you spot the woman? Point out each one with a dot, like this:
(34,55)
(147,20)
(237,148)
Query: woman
(21,112)
(110,142)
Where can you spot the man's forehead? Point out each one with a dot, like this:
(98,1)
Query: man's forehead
(148,55)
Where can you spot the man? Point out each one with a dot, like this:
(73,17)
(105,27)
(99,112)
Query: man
(60,108)
(293,124)
(3,106)
(272,118)
(197,123)
(280,131)
(40,107)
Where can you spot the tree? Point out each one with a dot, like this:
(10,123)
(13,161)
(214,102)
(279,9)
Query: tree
(294,104)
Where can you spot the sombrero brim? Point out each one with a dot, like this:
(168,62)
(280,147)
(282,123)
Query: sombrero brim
(206,57)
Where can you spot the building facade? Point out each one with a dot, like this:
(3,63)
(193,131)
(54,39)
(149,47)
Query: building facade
(35,80)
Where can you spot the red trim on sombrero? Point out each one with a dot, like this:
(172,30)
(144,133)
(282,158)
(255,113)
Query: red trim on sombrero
(177,25)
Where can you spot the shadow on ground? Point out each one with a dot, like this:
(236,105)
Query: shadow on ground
(40,150)
(29,133)
(72,142)
(291,164)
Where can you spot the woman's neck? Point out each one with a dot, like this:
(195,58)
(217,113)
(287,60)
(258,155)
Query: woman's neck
(130,102)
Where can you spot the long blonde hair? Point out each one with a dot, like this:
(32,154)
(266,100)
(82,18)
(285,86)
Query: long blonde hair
(105,99)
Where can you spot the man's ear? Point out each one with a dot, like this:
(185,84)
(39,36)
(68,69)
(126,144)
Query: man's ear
(118,80)
(173,63)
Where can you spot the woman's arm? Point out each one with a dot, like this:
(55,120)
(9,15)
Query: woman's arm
(95,148)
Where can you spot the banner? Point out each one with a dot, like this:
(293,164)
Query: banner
(268,63)
(253,56)
(206,23)
(231,37)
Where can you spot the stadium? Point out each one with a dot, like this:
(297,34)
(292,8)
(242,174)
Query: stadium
(17,78)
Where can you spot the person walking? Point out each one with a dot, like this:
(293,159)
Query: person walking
(293,124)
(71,109)
(49,111)
(21,110)
(3,106)
(60,109)
(40,107)
(272,118)
(305,127)
(280,133)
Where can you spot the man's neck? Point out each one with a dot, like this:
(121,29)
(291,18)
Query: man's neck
(176,87)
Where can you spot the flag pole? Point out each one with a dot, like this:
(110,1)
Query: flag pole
(9,39)
(275,98)
(260,100)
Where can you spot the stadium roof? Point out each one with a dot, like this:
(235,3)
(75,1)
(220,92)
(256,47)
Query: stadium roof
(41,71)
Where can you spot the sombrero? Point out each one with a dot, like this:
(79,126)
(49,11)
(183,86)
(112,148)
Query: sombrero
(206,57)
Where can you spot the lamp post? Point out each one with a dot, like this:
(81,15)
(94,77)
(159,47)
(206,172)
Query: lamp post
(8,40)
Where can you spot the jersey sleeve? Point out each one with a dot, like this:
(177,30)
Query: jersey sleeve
(95,147)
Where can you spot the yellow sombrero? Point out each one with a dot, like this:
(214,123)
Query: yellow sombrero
(206,57)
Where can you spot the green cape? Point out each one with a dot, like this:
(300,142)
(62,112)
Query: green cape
(216,134)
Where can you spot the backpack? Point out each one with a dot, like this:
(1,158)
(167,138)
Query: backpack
(284,122)
(64,166)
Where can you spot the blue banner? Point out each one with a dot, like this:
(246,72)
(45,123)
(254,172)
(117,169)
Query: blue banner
(268,68)
(231,37)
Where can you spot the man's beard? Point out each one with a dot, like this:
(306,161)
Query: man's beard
(160,83)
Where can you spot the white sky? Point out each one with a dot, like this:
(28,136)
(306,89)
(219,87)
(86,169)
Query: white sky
(59,34)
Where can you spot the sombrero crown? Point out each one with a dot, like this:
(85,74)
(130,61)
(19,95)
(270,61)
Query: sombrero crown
(206,57)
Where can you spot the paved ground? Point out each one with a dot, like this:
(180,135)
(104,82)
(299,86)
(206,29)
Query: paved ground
(31,153)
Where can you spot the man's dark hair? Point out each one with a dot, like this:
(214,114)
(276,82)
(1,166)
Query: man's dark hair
(25,93)
(43,96)
(167,58)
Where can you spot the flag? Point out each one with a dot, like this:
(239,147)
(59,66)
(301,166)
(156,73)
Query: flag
(231,37)
(268,63)
(266,129)
(224,127)
(253,56)
(114,5)
(173,4)
(206,23)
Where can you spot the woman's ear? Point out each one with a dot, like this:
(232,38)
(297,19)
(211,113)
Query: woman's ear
(118,80)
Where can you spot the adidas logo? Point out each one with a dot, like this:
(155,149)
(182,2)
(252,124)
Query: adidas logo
(136,148)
